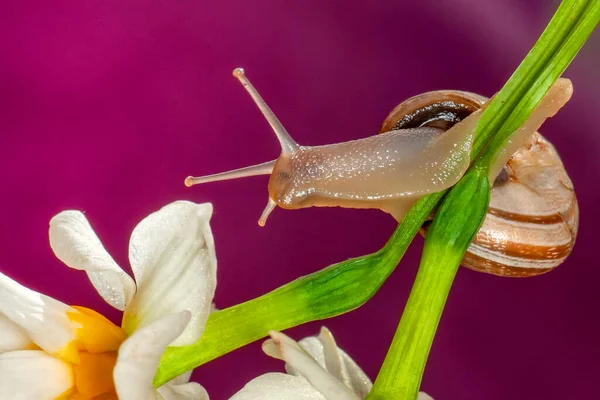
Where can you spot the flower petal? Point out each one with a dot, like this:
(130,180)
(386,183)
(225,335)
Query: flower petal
(172,255)
(12,336)
(33,374)
(282,347)
(179,389)
(278,386)
(140,355)
(187,391)
(424,396)
(324,349)
(181,379)
(44,319)
(75,243)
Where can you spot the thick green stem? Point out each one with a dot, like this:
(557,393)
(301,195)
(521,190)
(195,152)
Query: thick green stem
(456,223)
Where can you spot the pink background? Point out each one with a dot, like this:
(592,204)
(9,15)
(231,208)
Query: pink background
(106,106)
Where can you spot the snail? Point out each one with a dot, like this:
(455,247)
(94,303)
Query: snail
(424,147)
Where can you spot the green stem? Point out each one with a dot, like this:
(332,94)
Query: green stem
(567,31)
(456,223)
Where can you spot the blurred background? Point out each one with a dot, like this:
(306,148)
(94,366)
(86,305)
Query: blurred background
(106,106)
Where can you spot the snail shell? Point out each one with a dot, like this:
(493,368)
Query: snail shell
(531,224)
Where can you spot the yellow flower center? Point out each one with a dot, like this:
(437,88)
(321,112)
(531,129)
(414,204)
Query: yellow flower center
(92,355)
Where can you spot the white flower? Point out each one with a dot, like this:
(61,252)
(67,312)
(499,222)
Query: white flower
(49,350)
(317,370)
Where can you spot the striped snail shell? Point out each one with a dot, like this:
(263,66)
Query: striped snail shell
(531,224)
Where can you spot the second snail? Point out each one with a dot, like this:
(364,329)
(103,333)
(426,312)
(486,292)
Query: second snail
(424,147)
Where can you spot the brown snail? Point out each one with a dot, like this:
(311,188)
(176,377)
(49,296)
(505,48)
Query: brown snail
(424,147)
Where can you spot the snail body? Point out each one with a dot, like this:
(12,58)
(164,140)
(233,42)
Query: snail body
(424,147)
(389,172)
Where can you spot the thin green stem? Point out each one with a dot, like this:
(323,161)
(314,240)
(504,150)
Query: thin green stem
(571,25)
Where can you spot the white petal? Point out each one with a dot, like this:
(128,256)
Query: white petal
(188,391)
(181,379)
(324,349)
(282,347)
(12,336)
(33,374)
(140,355)
(424,396)
(359,382)
(179,389)
(277,386)
(44,319)
(173,259)
(75,243)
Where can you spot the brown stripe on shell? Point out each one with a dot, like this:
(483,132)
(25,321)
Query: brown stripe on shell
(538,219)
(523,250)
(533,241)
(480,264)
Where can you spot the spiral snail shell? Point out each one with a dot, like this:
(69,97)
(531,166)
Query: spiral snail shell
(532,220)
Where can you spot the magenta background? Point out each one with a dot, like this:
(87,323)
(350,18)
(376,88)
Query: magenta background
(106,106)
